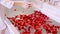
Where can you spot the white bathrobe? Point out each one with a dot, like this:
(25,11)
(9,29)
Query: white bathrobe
(4,4)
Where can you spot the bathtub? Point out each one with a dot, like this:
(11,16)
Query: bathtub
(16,10)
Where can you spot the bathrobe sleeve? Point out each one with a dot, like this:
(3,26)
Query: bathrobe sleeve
(7,3)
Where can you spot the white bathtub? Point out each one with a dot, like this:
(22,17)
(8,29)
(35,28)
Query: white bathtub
(19,10)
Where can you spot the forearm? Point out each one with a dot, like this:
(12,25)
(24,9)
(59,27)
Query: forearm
(18,3)
(21,3)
